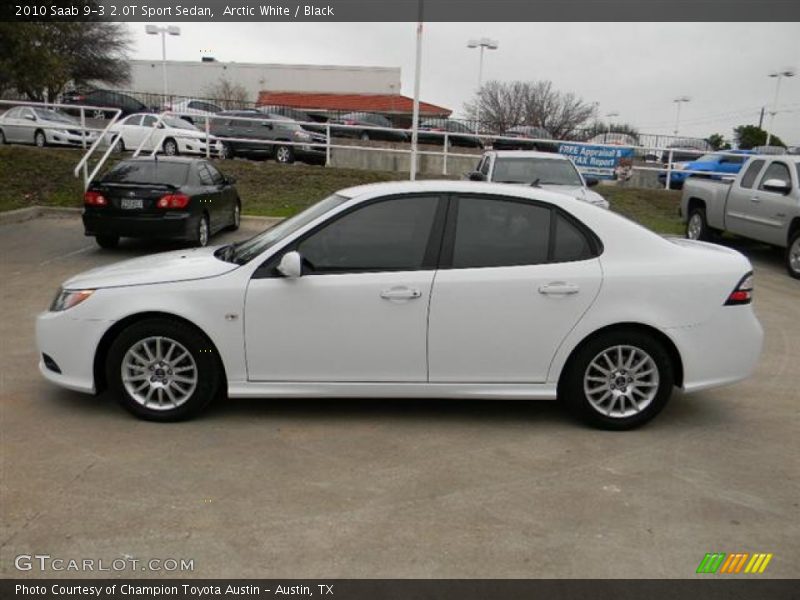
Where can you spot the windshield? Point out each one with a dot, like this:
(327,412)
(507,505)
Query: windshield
(543,171)
(249,249)
(52,115)
(158,172)
(179,123)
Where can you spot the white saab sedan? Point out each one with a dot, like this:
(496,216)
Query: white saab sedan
(430,289)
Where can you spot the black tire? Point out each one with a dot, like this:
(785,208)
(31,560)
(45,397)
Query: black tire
(207,371)
(3,141)
(119,147)
(40,139)
(107,241)
(364,137)
(697,226)
(236,216)
(200,238)
(572,393)
(170,147)
(226,153)
(284,155)
(793,254)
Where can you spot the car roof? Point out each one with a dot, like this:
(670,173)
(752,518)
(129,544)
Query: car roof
(164,159)
(526,154)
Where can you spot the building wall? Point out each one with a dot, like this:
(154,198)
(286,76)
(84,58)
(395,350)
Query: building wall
(194,79)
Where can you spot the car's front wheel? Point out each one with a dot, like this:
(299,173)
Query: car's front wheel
(618,380)
(170,147)
(284,155)
(163,370)
(236,216)
(793,255)
(202,233)
(39,139)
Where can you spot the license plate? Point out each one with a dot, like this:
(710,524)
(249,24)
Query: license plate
(132,203)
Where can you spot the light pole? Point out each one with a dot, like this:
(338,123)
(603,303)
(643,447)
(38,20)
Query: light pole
(678,101)
(171,30)
(778,75)
(483,44)
(415,109)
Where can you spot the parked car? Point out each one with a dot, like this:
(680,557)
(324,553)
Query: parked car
(366,120)
(717,165)
(174,197)
(305,120)
(525,138)
(458,134)
(614,139)
(173,136)
(545,170)
(374,292)
(680,151)
(105,99)
(42,127)
(795,150)
(258,135)
(189,109)
(762,203)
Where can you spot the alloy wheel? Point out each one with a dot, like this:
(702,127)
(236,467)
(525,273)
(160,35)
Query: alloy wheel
(794,256)
(159,373)
(282,154)
(621,381)
(694,229)
(202,232)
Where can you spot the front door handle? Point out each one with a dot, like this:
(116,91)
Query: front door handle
(400,293)
(559,288)
(755,199)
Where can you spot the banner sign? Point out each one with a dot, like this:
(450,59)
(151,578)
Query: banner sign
(602,162)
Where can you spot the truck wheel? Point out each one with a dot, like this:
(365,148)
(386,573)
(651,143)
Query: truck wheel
(697,226)
(793,254)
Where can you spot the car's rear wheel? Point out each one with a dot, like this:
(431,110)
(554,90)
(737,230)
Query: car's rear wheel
(2,138)
(107,241)
(697,225)
(226,152)
(39,139)
(284,155)
(618,380)
(170,147)
(793,255)
(163,370)
(364,137)
(119,147)
(202,233)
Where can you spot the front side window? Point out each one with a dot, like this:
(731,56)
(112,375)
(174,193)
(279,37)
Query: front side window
(389,235)
(776,170)
(500,233)
(749,177)
(205,175)
(149,121)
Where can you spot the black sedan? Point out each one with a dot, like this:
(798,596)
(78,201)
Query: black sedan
(366,120)
(175,197)
(127,105)
(526,138)
(432,132)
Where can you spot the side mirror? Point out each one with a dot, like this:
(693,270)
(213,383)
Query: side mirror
(476,176)
(291,265)
(777,185)
(591,181)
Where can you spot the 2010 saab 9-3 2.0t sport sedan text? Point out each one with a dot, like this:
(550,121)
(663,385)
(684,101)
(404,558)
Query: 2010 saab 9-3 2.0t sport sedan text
(430,289)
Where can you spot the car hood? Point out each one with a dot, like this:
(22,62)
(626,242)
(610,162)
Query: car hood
(180,265)
(579,193)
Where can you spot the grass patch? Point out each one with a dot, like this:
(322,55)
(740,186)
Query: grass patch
(34,176)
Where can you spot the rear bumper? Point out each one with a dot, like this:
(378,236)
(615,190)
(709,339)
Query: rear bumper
(178,225)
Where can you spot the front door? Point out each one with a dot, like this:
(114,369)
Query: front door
(507,294)
(359,312)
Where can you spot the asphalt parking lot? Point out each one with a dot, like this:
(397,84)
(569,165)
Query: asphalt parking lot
(374,488)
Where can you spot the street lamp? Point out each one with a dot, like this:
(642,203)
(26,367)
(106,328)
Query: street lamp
(483,44)
(778,75)
(171,30)
(678,101)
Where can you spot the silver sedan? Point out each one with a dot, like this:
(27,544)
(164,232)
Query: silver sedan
(42,127)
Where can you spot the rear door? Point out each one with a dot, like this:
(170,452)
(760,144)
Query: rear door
(515,277)
(13,125)
(211,195)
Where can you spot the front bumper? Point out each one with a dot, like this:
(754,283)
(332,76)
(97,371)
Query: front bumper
(59,138)
(175,225)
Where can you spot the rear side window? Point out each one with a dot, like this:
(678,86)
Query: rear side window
(391,235)
(500,233)
(749,177)
(205,175)
(148,172)
(570,242)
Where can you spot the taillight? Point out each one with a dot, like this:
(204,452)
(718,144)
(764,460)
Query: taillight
(91,198)
(742,293)
(173,201)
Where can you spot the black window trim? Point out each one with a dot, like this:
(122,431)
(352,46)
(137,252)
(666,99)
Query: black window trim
(449,238)
(268,268)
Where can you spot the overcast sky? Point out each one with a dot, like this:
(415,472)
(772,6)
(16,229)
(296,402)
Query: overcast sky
(634,69)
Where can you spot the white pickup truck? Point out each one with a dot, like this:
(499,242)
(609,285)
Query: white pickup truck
(762,203)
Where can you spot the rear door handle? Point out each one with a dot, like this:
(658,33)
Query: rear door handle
(400,293)
(559,288)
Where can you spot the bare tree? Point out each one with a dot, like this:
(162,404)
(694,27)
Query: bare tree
(534,103)
(228,94)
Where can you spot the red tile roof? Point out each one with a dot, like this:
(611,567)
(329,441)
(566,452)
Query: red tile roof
(377,103)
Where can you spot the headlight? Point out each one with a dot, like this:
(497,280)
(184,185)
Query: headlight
(68,298)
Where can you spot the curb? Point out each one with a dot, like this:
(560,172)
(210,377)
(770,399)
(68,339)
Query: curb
(21,215)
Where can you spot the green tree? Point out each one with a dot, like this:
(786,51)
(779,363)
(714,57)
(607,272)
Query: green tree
(718,142)
(750,136)
(40,59)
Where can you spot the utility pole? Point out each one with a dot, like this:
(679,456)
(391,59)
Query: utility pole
(415,116)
